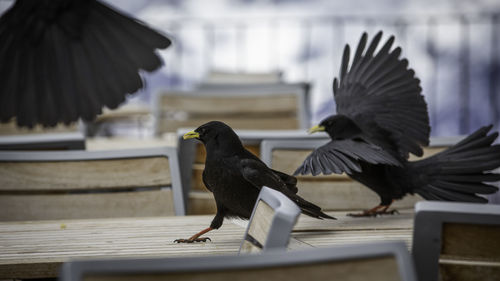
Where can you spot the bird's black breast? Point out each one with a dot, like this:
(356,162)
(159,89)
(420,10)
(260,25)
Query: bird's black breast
(231,190)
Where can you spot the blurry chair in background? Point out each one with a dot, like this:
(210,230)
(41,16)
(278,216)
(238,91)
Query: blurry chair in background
(375,262)
(216,78)
(131,120)
(456,241)
(89,184)
(271,223)
(260,106)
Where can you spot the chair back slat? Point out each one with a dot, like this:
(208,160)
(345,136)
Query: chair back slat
(36,185)
(374,261)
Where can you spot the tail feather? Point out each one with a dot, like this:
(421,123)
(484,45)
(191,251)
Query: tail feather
(310,209)
(459,173)
(454,195)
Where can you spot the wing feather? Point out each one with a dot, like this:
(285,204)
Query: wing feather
(379,89)
(341,156)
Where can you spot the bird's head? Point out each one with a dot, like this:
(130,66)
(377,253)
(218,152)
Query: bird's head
(215,134)
(337,127)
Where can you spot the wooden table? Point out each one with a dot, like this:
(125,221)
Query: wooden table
(37,249)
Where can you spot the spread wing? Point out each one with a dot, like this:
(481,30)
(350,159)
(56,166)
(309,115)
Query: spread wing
(379,87)
(343,156)
(65,60)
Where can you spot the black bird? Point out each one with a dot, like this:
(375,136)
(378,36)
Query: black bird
(235,176)
(381,118)
(62,60)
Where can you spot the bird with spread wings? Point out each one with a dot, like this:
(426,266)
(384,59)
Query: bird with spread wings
(65,60)
(382,118)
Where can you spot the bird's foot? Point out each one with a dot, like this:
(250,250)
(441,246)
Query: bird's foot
(375,212)
(190,240)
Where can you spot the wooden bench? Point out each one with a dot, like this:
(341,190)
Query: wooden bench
(89,184)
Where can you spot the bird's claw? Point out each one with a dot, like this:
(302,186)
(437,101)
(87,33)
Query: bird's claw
(202,239)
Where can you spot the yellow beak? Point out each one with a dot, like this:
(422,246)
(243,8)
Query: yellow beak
(316,128)
(191,135)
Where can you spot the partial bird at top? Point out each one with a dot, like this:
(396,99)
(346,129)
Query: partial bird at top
(65,60)
(382,118)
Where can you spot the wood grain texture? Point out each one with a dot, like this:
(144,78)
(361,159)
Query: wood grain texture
(374,269)
(471,242)
(105,143)
(230,104)
(84,175)
(257,122)
(470,272)
(37,248)
(93,205)
(201,203)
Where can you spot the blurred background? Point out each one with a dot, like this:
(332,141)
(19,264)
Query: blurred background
(454,47)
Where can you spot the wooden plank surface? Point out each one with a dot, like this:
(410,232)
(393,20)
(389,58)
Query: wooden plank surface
(87,205)
(37,248)
(80,175)
(102,143)
(230,104)
(253,122)
(471,242)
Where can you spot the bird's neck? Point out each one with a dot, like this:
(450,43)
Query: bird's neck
(223,148)
(344,128)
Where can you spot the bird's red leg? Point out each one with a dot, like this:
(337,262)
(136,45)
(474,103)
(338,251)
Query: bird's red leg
(196,237)
(373,212)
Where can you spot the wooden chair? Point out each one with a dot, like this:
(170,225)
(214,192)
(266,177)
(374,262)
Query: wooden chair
(268,106)
(456,241)
(376,261)
(216,78)
(38,185)
(48,141)
(271,223)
